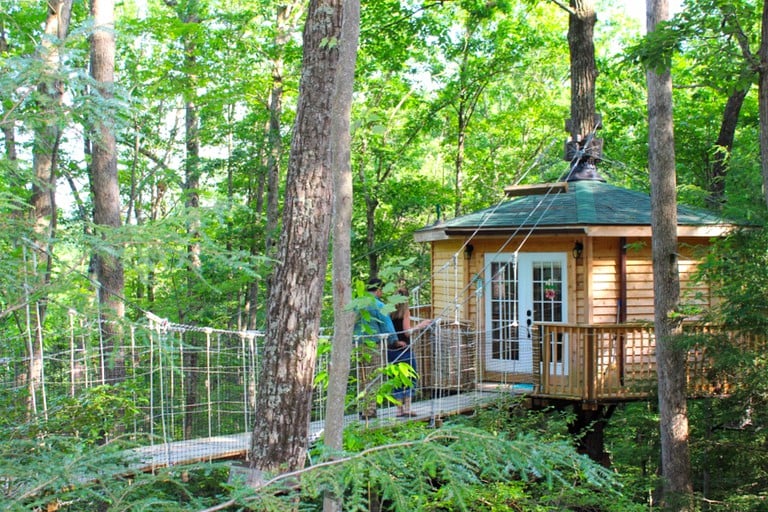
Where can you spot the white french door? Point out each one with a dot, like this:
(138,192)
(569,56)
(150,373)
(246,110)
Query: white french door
(522,289)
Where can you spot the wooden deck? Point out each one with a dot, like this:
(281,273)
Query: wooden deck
(613,363)
(236,446)
(590,364)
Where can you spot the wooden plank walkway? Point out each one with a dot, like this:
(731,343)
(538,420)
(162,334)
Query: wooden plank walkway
(236,446)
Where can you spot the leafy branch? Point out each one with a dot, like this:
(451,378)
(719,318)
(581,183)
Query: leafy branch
(407,474)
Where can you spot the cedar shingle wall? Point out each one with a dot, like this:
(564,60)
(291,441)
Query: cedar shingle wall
(605,281)
(451,277)
(448,279)
(640,280)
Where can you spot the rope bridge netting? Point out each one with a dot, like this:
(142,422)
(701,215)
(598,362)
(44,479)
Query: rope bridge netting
(184,383)
(181,382)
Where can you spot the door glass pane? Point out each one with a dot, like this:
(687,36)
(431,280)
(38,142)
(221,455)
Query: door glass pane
(547,291)
(504,307)
(548,300)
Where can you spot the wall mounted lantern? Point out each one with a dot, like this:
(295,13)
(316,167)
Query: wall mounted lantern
(468,251)
(578,248)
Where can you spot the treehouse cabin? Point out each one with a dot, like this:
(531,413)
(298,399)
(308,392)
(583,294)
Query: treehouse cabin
(554,286)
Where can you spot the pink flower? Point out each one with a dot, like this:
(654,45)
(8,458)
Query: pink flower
(550,293)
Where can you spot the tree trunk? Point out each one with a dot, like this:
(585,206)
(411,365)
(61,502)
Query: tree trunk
(194,264)
(284,396)
(9,134)
(588,427)
(44,154)
(581,29)
(723,146)
(188,13)
(461,139)
(583,149)
(670,360)
(371,203)
(762,92)
(344,319)
(286,14)
(462,120)
(106,192)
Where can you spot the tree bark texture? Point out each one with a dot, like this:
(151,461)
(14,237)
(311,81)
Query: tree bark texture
(581,28)
(189,13)
(9,133)
(286,16)
(344,320)
(106,191)
(723,147)
(284,396)
(44,155)
(762,92)
(371,203)
(670,360)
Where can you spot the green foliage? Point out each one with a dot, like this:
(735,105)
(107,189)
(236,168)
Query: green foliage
(632,438)
(743,253)
(436,468)
(60,471)
(503,64)
(656,50)
(393,377)
(510,416)
(728,450)
(97,414)
(492,497)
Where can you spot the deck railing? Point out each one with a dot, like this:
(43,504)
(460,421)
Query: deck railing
(592,362)
(612,362)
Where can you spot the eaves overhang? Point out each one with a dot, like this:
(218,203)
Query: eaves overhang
(590,208)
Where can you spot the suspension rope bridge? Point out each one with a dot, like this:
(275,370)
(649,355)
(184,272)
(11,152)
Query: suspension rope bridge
(191,390)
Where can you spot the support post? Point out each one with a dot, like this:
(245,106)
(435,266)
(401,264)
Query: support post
(589,430)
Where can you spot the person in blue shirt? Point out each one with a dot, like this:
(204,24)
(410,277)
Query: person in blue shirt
(402,352)
(373,327)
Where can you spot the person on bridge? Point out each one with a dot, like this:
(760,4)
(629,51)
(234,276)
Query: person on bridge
(400,351)
(372,327)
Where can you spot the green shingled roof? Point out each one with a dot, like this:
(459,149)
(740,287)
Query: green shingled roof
(585,203)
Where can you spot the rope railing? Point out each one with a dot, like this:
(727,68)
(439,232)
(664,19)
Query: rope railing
(184,383)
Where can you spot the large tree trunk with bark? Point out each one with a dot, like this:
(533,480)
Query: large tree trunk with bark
(670,359)
(189,13)
(284,396)
(194,262)
(581,30)
(762,92)
(583,150)
(106,193)
(344,319)
(722,148)
(44,156)
(285,21)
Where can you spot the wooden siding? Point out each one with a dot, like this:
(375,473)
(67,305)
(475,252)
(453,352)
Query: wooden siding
(595,291)
(454,277)
(605,363)
(604,271)
(449,280)
(594,280)
(611,363)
